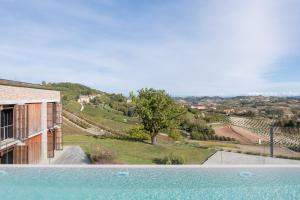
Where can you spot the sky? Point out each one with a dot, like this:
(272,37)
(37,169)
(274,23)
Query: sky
(186,47)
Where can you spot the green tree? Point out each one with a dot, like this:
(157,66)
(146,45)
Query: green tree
(157,111)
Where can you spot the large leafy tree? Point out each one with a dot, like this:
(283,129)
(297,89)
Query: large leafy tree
(157,111)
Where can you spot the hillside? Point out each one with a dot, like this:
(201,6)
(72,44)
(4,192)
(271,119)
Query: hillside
(105,121)
(108,111)
(71,91)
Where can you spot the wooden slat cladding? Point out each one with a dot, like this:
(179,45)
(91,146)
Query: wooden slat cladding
(54,115)
(58,139)
(21,154)
(58,114)
(20,122)
(34,118)
(34,149)
(50,143)
(50,115)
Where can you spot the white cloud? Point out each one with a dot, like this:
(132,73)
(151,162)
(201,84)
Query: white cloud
(211,48)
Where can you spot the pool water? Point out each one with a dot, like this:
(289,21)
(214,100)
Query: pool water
(149,183)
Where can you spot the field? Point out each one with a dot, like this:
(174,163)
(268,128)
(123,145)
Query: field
(241,135)
(129,152)
(228,132)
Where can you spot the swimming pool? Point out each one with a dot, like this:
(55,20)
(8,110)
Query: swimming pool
(149,183)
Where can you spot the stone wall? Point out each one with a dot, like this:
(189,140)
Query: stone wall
(21,95)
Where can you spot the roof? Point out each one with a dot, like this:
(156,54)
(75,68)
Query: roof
(22,84)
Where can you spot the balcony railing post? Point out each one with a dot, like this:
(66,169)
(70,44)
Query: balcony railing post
(271,141)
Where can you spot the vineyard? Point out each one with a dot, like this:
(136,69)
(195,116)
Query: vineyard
(285,136)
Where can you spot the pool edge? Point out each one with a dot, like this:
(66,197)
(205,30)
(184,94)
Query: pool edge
(151,166)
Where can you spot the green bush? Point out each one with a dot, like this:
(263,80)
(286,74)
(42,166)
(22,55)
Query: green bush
(138,134)
(175,135)
(223,138)
(171,159)
(195,135)
(197,125)
(200,131)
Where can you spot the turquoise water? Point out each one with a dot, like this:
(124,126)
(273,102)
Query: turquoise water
(149,183)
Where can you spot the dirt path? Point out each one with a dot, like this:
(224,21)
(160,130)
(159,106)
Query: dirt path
(82,107)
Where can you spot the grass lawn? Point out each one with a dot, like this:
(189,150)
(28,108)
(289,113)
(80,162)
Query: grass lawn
(214,144)
(129,152)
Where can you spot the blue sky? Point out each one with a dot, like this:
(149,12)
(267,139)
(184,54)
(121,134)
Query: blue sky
(186,47)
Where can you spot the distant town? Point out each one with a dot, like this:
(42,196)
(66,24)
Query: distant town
(287,108)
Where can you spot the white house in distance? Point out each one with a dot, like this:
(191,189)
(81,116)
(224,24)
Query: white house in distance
(85,98)
(199,107)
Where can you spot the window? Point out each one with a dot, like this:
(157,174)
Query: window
(7,123)
(7,157)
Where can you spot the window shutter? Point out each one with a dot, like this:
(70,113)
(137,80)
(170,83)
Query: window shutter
(50,115)
(58,114)
(33,118)
(58,139)
(21,122)
(50,143)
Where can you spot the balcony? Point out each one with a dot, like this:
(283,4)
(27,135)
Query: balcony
(4,144)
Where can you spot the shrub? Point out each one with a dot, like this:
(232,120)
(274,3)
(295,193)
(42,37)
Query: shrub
(294,148)
(202,132)
(197,135)
(175,135)
(171,159)
(100,155)
(138,134)
(197,125)
(214,137)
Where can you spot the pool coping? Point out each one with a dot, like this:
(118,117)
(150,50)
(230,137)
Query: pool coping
(151,166)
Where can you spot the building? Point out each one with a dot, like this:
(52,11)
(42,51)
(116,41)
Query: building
(30,125)
(288,115)
(229,111)
(128,101)
(199,107)
(85,98)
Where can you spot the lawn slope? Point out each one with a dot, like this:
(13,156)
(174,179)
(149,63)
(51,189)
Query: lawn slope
(129,152)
